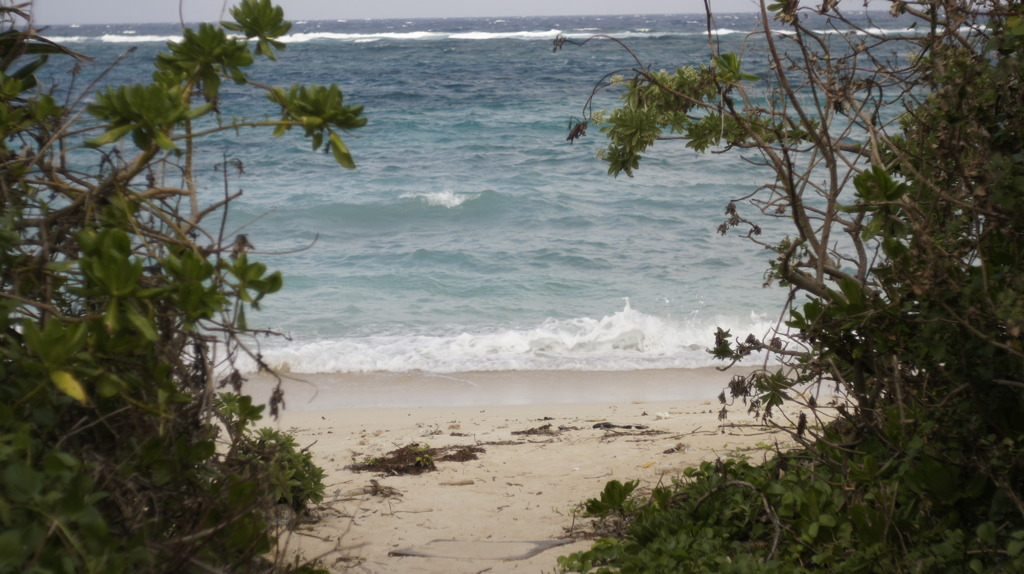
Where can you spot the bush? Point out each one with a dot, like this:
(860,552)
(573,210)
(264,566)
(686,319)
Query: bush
(122,312)
(898,161)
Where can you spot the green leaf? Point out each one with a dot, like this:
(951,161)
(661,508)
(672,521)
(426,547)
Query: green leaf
(1015,547)
(110,136)
(986,531)
(812,531)
(143,324)
(873,227)
(341,154)
(69,385)
(853,291)
(21,482)
(163,141)
(198,111)
(108,385)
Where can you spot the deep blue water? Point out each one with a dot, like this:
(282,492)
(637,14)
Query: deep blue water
(472,236)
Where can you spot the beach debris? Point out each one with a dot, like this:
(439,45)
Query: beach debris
(481,549)
(608,425)
(373,489)
(459,453)
(648,464)
(543,429)
(678,447)
(662,416)
(430,430)
(415,458)
(364,436)
(546,430)
(467,482)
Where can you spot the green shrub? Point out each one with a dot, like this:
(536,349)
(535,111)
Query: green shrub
(898,164)
(122,312)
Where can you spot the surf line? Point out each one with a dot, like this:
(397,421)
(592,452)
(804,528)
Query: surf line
(461,380)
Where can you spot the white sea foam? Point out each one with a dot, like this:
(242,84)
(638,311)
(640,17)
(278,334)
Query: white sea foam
(137,38)
(864,32)
(446,198)
(626,340)
(483,32)
(359,38)
(521,35)
(421,35)
(363,37)
(121,38)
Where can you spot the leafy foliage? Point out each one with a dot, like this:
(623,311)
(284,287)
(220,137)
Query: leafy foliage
(615,498)
(269,455)
(898,161)
(261,20)
(122,313)
(787,516)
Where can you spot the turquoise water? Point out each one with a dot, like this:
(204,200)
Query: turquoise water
(472,236)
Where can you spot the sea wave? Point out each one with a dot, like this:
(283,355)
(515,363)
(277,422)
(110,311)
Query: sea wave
(139,38)
(122,38)
(470,35)
(521,35)
(363,37)
(446,198)
(623,341)
(869,31)
(473,35)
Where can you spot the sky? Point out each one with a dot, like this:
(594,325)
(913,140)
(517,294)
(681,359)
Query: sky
(145,11)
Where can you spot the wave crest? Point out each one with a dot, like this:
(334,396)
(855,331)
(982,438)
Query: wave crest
(623,341)
(446,198)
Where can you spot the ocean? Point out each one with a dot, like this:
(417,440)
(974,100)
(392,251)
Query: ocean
(473,236)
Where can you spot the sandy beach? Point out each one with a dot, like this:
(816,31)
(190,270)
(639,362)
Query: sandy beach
(530,448)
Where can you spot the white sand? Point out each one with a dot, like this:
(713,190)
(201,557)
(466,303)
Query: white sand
(524,487)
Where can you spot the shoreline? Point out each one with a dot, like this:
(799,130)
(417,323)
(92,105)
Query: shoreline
(511,508)
(311,392)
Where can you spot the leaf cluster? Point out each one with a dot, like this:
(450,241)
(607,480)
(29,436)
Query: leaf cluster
(614,499)
(318,110)
(267,454)
(261,20)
